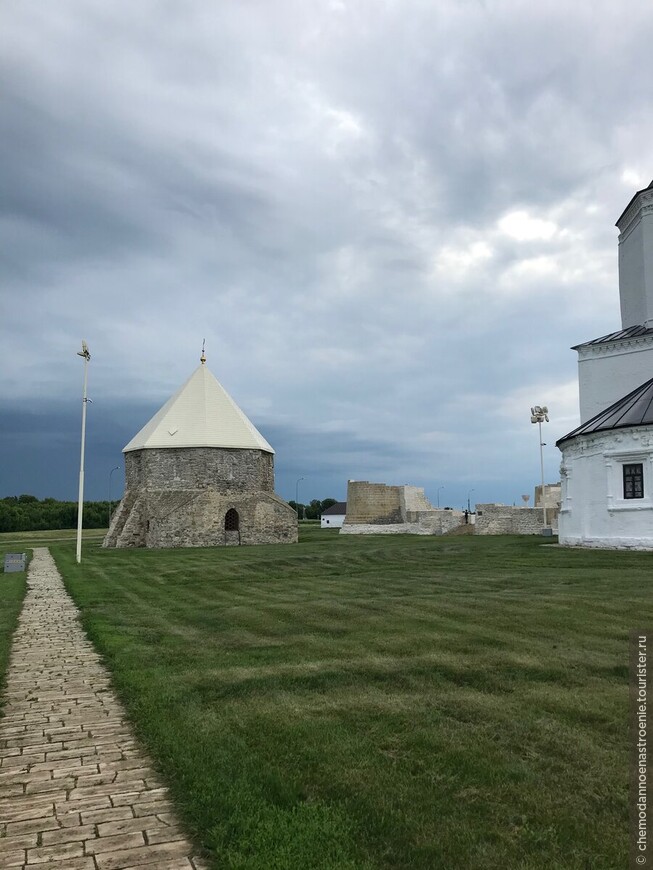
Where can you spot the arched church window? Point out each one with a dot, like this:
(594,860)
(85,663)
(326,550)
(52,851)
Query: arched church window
(231,520)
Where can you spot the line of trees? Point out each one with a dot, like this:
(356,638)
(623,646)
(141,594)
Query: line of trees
(313,510)
(26,513)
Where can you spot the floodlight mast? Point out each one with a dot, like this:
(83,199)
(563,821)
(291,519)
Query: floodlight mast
(84,353)
(297,496)
(539,415)
(117,468)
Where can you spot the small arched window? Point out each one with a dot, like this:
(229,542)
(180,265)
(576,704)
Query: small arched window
(231,520)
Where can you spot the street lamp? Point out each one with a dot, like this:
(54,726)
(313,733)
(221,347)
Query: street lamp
(117,468)
(438,494)
(539,415)
(297,496)
(80,506)
(469,510)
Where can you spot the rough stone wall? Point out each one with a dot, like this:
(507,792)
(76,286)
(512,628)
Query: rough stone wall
(373,503)
(200,468)
(380,529)
(175,498)
(433,522)
(413,499)
(377,509)
(499,519)
(551,494)
(451,520)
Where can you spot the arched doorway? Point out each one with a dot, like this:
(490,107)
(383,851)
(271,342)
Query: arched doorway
(231,527)
(231,520)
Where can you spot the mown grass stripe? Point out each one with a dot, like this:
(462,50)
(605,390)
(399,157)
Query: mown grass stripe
(388,703)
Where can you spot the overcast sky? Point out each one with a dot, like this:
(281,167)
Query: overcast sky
(389,219)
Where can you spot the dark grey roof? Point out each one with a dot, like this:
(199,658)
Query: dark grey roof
(635,409)
(650,187)
(631,332)
(340,508)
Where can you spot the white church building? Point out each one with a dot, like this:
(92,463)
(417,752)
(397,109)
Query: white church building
(607,462)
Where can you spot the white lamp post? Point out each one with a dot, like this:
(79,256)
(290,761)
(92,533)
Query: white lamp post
(297,496)
(80,502)
(117,468)
(438,494)
(469,509)
(539,415)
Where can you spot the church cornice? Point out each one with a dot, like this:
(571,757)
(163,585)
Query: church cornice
(614,441)
(641,205)
(615,347)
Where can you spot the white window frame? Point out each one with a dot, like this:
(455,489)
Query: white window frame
(614,466)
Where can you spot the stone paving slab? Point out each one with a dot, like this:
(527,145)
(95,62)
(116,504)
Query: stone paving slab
(76,792)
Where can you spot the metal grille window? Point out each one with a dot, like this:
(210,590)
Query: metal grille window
(231,520)
(634,480)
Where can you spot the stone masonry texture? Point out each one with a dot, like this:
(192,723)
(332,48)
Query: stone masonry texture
(377,509)
(231,470)
(373,503)
(500,519)
(179,497)
(76,792)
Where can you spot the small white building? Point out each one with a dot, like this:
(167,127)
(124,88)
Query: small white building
(607,462)
(334,517)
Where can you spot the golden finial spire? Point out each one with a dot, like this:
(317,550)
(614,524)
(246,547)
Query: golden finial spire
(203,357)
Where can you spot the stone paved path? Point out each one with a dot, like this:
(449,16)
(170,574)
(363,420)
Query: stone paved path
(76,793)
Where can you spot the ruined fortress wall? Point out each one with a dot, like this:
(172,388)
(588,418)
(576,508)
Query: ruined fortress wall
(373,504)
(433,522)
(378,509)
(499,519)
(414,499)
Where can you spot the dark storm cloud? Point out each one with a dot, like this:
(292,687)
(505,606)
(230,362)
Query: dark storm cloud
(390,221)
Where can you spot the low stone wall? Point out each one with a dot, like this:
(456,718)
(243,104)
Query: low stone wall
(500,519)
(380,529)
(435,522)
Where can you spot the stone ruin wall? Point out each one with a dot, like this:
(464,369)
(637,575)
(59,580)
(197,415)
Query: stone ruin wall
(499,519)
(378,509)
(373,503)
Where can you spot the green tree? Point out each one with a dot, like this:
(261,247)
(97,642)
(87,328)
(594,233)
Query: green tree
(313,509)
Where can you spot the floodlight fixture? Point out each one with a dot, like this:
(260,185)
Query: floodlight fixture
(539,415)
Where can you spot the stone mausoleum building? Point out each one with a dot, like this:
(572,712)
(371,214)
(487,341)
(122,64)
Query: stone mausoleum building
(607,462)
(200,474)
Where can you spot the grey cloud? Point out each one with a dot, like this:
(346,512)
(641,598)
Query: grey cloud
(284,179)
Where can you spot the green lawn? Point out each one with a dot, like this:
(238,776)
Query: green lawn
(390,702)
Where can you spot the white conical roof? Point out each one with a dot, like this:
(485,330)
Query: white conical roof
(200,414)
